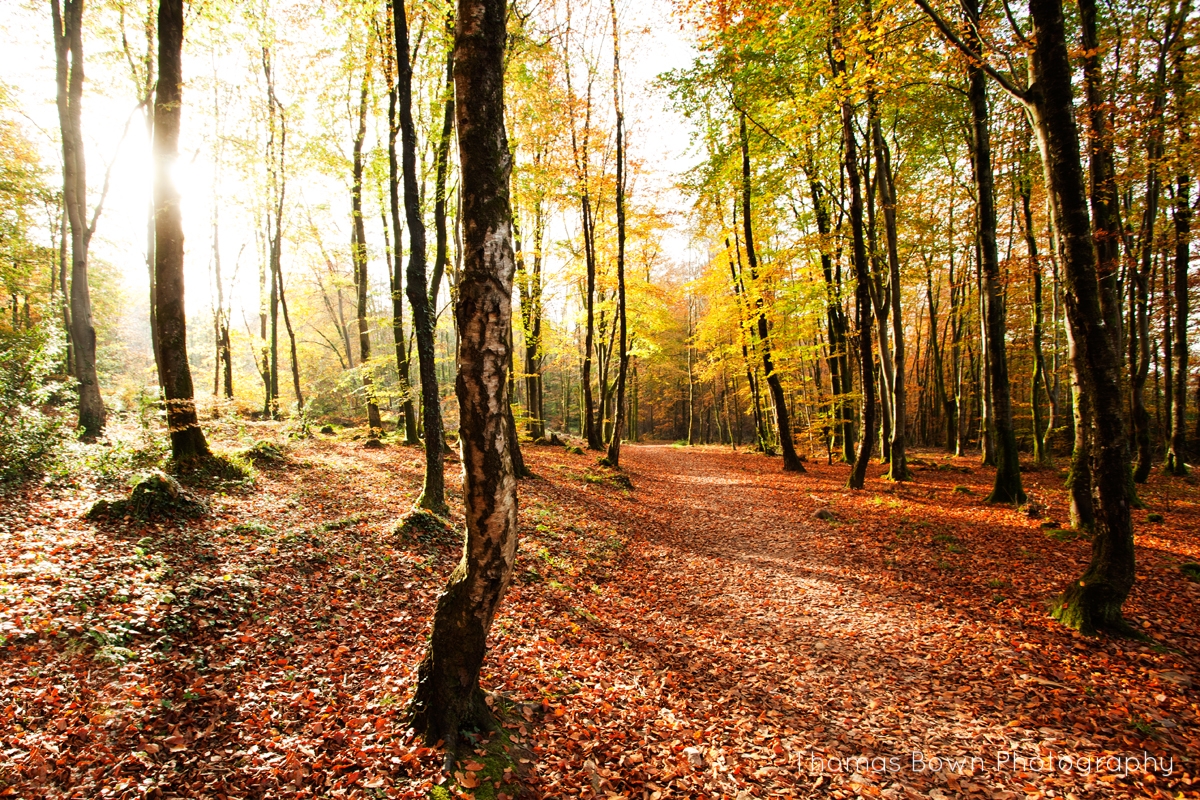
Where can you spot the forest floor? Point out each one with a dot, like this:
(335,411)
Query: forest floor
(696,631)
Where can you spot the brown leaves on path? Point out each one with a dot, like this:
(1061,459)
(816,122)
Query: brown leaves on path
(701,635)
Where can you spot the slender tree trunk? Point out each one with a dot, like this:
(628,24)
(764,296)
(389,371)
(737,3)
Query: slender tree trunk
(68,46)
(791,461)
(614,444)
(862,279)
(448,697)
(358,252)
(1141,274)
(433,495)
(1007,487)
(187,440)
(887,187)
(1182,217)
(1038,381)
(1095,600)
(403,369)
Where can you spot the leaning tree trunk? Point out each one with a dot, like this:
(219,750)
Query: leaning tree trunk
(68,47)
(1095,600)
(448,698)
(1007,486)
(187,440)
(433,495)
(791,461)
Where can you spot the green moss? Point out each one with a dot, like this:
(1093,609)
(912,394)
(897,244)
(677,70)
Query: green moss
(426,527)
(1154,517)
(1191,570)
(1064,534)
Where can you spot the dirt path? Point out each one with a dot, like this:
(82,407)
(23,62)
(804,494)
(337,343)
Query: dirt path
(752,649)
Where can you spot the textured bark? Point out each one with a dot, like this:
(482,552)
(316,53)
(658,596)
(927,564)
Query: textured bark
(836,326)
(1007,486)
(403,370)
(433,494)
(187,440)
(1094,601)
(68,47)
(887,192)
(791,461)
(448,697)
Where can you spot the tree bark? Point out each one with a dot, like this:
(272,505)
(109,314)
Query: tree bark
(1182,217)
(448,698)
(187,440)
(614,444)
(358,253)
(1007,486)
(1094,601)
(68,47)
(898,470)
(403,370)
(791,461)
(433,494)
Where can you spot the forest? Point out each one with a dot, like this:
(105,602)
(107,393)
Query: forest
(568,398)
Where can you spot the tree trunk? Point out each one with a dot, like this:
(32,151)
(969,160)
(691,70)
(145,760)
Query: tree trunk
(187,440)
(1007,486)
(403,370)
(887,188)
(448,697)
(862,280)
(1095,600)
(433,495)
(358,253)
(1182,217)
(614,444)
(791,461)
(68,47)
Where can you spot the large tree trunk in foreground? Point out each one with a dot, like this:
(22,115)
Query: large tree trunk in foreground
(187,440)
(448,697)
(791,461)
(1094,601)
(433,495)
(68,47)
(1007,486)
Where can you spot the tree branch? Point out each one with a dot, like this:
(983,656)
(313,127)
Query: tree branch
(1005,83)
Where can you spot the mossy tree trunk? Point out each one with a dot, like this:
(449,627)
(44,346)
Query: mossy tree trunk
(448,698)
(1094,601)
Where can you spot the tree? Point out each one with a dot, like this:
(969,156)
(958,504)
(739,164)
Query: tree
(614,444)
(187,439)
(421,295)
(448,697)
(68,49)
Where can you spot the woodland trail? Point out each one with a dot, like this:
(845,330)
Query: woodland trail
(801,657)
(685,628)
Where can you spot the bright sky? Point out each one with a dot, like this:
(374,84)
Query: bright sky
(659,138)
